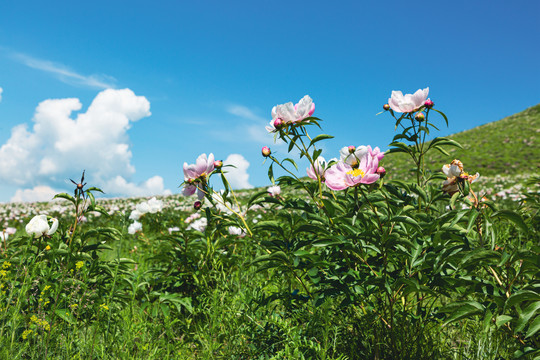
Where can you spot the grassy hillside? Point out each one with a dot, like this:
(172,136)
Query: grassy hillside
(507,147)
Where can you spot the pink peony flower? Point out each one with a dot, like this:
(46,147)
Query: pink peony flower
(408,102)
(342,175)
(195,175)
(202,167)
(291,114)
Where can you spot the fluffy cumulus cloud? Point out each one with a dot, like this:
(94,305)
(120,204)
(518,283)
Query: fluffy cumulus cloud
(152,186)
(238,176)
(38,193)
(58,144)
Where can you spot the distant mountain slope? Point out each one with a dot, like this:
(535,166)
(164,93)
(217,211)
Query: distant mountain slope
(510,146)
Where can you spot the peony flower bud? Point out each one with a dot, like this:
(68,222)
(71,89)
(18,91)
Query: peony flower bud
(352,149)
(381,171)
(266,151)
(386,107)
(278,123)
(197,205)
(428,103)
(420,117)
(218,164)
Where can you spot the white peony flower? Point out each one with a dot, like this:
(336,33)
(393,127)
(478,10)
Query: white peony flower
(408,102)
(39,226)
(155,205)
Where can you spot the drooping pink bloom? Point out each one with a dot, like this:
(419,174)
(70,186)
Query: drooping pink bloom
(195,175)
(408,102)
(291,114)
(203,166)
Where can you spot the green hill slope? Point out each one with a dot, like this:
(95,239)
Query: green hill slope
(509,147)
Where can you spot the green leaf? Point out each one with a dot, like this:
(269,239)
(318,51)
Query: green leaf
(522,296)
(453,200)
(480,255)
(502,319)
(65,315)
(461,310)
(316,154)
(290,161)
(441,150)
(444,116)
(512,216)
(407,220)
(255,197)
(271,173)
(93,188)
(534,327)
(65,196)
(319,138)
(527,314)
(472,219)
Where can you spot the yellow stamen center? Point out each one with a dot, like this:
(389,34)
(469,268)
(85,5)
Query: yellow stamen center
(356,173)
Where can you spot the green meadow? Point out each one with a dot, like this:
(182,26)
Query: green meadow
(395,268)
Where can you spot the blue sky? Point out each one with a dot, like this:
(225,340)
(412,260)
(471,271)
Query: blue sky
(211,71)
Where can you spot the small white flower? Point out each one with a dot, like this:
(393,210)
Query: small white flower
(133,228)
(274,190)
(234,230)
(155,205)
(199,225)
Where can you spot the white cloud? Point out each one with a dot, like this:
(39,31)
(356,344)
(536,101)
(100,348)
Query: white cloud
(245,112)
(58,146)
(152,186)
(37,194)
(65,74)
(238,177)
(1,90)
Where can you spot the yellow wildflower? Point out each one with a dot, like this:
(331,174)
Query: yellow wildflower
(26,333)
(104,307)
(6,265)
(79,264)
(47,248)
